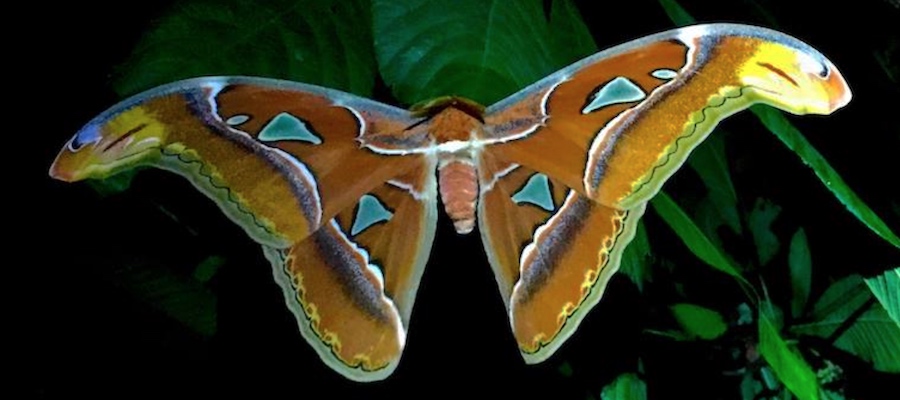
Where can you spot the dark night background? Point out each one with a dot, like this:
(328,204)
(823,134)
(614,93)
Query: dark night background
(82,334)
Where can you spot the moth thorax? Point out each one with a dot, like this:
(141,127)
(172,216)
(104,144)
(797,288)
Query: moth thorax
(458,182)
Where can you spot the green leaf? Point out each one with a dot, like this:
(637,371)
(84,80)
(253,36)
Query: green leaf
(692,237)
(874,336)
(847,293)
(776,122)
(790,368)
(800,264)
(480,49)
(750,387)
(886,288)
(699,321)
(745,314)
(773,312)
(710,162)
(572,40)
(676,13)
(829,395)
(769,378)
(829,372)
(760,221)
(625,387)
(328,43)
(708,219)
(114,184)
(636,258)
(208,268)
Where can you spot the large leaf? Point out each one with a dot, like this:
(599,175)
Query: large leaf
(800,264)
(636,258)
(692,237)
(709,219)
(711,163)
(847,293)
(874,336)
(571,37)
(479,49)
(760,221)
(698,321)
(677,13)
(778,124)
(790,368)
(625,387)
(886,288)
(326,42)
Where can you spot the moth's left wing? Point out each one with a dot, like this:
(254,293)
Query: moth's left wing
(348,230)
(608,131)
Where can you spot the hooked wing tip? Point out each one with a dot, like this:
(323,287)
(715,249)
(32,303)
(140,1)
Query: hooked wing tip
(840,91)
(59,174)
(60,171)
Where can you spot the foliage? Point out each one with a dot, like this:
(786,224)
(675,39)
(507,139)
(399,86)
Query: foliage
(781,127)
(885,288)
(874,336)
(699,322)
(303,41)
(469,46)
(789,366)
(625,387)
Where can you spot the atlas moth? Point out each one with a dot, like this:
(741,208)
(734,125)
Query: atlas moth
(342,192)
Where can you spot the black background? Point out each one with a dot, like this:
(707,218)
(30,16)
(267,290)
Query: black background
(81,334)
